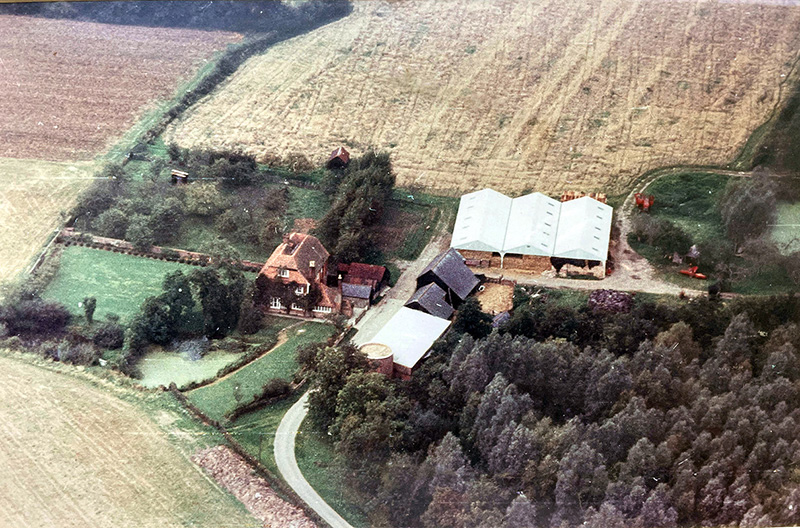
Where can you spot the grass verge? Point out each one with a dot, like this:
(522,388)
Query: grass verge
(316,459)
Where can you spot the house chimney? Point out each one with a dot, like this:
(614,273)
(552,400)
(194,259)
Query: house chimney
(312,265)
(286,238)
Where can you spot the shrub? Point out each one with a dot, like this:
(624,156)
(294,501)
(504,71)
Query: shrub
(112,223)
(78,353)
(109,335)
(274,388)
(24,316)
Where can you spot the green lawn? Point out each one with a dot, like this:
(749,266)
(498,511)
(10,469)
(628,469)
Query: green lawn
(306,203)
(786,234)
(690,201)
(162,367)
(315,457)
(197,234)
(220,398)
(256,430)
(119,282)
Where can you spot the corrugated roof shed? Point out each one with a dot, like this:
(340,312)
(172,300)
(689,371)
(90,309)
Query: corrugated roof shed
(450,268)
(410,334)
(533,224)
(431,299)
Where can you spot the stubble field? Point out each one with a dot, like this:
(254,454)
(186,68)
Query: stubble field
(70,88)
(518,95)
(74,455)
(33,193)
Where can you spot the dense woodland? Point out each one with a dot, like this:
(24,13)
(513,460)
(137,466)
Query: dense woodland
(612,414)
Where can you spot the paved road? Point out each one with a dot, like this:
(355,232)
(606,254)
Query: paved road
(287,464)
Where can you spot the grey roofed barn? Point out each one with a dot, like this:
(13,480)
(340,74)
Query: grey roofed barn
(431,299)
(358,291)
(449,271)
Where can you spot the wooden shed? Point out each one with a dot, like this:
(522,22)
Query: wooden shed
(338,159)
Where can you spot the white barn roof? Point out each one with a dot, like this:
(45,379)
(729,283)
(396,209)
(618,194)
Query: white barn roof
(533,224)
(410,334)
(481,221)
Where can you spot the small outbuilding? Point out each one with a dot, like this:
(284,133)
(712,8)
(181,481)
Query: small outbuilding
(338,159)
(179,177)
(451,274)
(431,300)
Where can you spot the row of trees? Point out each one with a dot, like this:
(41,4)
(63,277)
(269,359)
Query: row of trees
(360,195)
(684,422)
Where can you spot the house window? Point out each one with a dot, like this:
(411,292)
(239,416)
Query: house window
(283,272)
(296,307)
(299,291)
(323,309)
(275,302)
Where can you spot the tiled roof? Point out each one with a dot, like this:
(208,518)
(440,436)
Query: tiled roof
(431,299)
(450,268)
(296,254)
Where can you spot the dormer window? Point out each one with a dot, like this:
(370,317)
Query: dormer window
(283,272)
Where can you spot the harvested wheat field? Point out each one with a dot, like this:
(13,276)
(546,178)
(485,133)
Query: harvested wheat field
(33,194)
(74,455)
(516,94)
(71,88)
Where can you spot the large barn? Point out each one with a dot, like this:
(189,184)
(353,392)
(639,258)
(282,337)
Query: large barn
(532,229)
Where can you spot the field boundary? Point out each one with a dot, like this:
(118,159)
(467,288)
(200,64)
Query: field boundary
(280,488)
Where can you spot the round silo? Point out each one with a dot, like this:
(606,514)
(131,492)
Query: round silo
(380,357)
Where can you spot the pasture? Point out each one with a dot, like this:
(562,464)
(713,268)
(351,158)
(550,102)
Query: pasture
(69,98)
(33,194)
(119,282)
(541,95)
(786,232)
(240,387)
(75,455)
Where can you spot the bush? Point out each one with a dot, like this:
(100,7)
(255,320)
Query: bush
(77,353)
(112,223)
(110,335)
(274,388)
(140,234)
(661,234)
(34,315)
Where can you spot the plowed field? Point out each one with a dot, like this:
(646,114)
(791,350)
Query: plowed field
(516,94)
(73,455)
(70,88)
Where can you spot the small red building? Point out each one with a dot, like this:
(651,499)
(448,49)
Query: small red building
(338,159)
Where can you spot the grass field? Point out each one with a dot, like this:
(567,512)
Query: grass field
(75,455)
(33,196)
(540,95)
(69,98)
(119,282)
(163,367)
(220,398)
(786,233)
(315,457)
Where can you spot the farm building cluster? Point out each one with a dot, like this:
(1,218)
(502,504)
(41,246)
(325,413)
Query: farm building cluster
(534,232)
(398,347)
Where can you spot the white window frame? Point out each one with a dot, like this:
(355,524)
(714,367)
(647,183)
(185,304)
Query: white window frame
(295,306)
(275,303)
(300,290)
(322,309)
(283,273)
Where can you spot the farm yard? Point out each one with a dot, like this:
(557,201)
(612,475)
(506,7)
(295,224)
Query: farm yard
(34,194)
(71,97)
(542,95)
(75,455)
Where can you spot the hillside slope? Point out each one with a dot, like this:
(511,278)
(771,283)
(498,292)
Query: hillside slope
(539,94)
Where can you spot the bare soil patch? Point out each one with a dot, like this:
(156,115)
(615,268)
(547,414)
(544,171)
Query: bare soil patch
(74,455)
(496,298)
(70,88)
(235,475)
(541,94)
